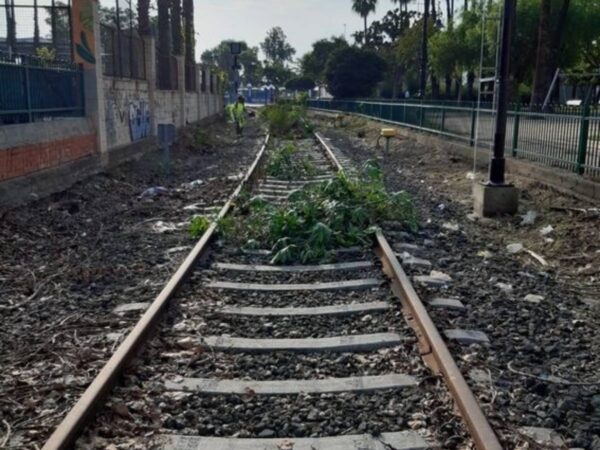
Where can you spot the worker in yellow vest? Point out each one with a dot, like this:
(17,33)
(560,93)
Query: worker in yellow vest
(238,114)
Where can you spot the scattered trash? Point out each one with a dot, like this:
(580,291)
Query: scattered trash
(537,257)
(441,207)
(533,298)
(163,227)
(529,218)
(470,176)
(547,230)
(451,226)
(192,184)
(514,248)
(154,192)
(485,254)
(504,286)
(472,217)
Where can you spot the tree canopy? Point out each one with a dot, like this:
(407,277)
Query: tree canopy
(354,72)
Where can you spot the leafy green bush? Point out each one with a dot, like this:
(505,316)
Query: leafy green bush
(285,164)
(319,218)
(286,119)
(198,226)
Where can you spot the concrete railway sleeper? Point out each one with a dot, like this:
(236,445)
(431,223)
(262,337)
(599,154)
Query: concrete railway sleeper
(257,356)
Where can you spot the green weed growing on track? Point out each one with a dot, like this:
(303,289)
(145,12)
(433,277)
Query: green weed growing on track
(287,120)
(317,219)
(198,226)
(285,164)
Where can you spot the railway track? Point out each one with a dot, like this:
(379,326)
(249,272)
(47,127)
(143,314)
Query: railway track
(257,356)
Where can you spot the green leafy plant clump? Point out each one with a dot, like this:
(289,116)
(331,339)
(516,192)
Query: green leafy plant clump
(287,119)
(198,226)
(342,212)
(285,164)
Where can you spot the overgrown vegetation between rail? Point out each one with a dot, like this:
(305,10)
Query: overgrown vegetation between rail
(287,120)
(319,218)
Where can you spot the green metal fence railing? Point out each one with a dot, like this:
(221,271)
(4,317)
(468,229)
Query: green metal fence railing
(33,90)
(567,139)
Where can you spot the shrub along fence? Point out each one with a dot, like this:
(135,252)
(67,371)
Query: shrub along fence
(568,139)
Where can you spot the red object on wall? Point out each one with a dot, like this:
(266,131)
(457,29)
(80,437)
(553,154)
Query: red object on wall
(27,159)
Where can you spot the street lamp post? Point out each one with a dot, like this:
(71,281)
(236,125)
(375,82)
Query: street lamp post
(496,197)
(235,49)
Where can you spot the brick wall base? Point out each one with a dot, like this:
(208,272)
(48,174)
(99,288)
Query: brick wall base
(27,159)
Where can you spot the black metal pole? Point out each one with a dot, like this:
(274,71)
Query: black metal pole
(497,165)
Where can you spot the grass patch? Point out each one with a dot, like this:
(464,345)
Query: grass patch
(287,120)
(198,226)
(317,219)
(285,164)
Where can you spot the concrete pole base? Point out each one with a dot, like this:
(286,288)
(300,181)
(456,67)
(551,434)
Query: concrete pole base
(494,200)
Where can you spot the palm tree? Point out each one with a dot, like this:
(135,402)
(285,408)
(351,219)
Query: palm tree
(143,8)
(164,45)
(363,8)
(177,38)
(188,30)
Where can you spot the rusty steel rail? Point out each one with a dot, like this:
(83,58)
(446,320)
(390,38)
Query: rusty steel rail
(479,428)
(433,348)
(68,430)
(329,153)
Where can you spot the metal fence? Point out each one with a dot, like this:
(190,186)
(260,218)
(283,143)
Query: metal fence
(123,53)
(123,49)
(33,90)
(36,28)
(569,139)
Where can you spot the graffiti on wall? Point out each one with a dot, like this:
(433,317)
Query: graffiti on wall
(139,120)
(127,117)
(82,17)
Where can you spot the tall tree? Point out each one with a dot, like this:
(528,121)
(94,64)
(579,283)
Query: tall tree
(363,8)
(36,26)
(143,10)
(276,47)
(424,59)
(164,45)
(188,31)
(177,37)
(549,45)
(313,64)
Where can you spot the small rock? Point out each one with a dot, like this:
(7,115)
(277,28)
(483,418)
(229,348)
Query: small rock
(451,226)
(533,298)
(514,248)
(266,433)
(504,286)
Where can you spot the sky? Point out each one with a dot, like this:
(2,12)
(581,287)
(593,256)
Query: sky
(303,21)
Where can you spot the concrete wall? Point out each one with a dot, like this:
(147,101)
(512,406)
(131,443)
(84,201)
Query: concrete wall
(32,147)
(127,111)
(121,122)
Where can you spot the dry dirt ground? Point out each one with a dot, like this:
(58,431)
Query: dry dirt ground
(538,301)
(68,260)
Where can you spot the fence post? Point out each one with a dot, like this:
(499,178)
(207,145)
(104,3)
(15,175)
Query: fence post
(421,115)
(28,94)
(443,117)
(150,69)
(181,88)
(473,126)
(515,140)
(583,139)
